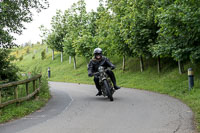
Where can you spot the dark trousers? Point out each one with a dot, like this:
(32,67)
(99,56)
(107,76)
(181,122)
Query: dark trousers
(110,74)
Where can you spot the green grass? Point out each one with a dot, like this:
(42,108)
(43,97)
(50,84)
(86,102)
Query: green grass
(17,111)
(169,82)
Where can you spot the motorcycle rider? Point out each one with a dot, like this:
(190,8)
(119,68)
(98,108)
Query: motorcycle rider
(100,60)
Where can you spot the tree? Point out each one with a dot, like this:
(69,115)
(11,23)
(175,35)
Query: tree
(179,32)
(45,32)
(72,34)
(50,42)
(7,69)
(55,37)
(110,29)
(13,15)
(103,23)
(86,41)
(143,28)
(59,32)
(76,25)
(134,26)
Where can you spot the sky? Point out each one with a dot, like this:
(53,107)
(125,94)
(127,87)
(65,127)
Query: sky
(32,32)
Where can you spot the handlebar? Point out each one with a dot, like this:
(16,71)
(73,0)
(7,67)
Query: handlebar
(97,73)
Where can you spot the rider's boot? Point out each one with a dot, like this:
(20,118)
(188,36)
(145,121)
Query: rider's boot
(114,82)
(99,93)
(113,79)
(116,87)
(96,80)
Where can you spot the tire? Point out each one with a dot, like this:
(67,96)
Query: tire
(108,91)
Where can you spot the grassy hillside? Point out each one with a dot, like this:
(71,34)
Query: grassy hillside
(168,82)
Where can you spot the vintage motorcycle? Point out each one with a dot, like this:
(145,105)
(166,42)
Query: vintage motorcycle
(105,82)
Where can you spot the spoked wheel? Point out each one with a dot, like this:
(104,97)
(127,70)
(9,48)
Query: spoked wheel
(108,90)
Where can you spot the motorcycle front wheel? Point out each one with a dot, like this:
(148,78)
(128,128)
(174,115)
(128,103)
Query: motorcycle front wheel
(108,90)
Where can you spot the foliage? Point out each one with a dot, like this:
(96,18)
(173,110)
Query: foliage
(21,58)
(86,42)
(179,30)
(43,54)
(8,70)
(13,15)
(45,33)
(76,22)
(143,27)
(119,27)
(140,28)
(104,37)
(27,50)
(33,57)
(58,32)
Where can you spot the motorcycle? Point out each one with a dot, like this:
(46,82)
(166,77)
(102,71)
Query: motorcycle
(105,83)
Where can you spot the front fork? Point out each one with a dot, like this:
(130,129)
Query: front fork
(109,83)
(110,86)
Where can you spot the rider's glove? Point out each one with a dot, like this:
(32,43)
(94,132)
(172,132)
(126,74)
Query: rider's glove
(90,74)
(112,67)
(96,75)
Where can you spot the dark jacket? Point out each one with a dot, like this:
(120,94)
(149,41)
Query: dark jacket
(94,64)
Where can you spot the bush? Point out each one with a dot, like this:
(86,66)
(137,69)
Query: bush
(8,71)
(21,58)
(43,54)
(27,50)
(33,57)
(17,52)
(44,91)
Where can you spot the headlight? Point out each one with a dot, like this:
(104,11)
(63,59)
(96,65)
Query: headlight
(101,69)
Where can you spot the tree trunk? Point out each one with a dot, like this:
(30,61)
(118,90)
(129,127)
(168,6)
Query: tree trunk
(70,59)
(74,62)
(158,63)
(141,64)
(61,56)
(123,67)
(180,67)
(52,54)
(47,49)
(87,62)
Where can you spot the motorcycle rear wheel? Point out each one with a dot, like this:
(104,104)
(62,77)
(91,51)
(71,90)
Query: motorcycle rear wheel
(108,90)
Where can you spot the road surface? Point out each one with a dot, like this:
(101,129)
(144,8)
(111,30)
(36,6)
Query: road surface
(74,108)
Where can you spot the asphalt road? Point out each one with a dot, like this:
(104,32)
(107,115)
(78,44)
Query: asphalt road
(74,108)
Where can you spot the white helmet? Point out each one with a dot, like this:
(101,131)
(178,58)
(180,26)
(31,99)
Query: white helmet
(97,51)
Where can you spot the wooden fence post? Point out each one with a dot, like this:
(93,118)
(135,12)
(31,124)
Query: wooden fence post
(27,88)
(0,96)
(39,81)
(16,94)
(34,87)
(141,64)
(39,85)
(158,64)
